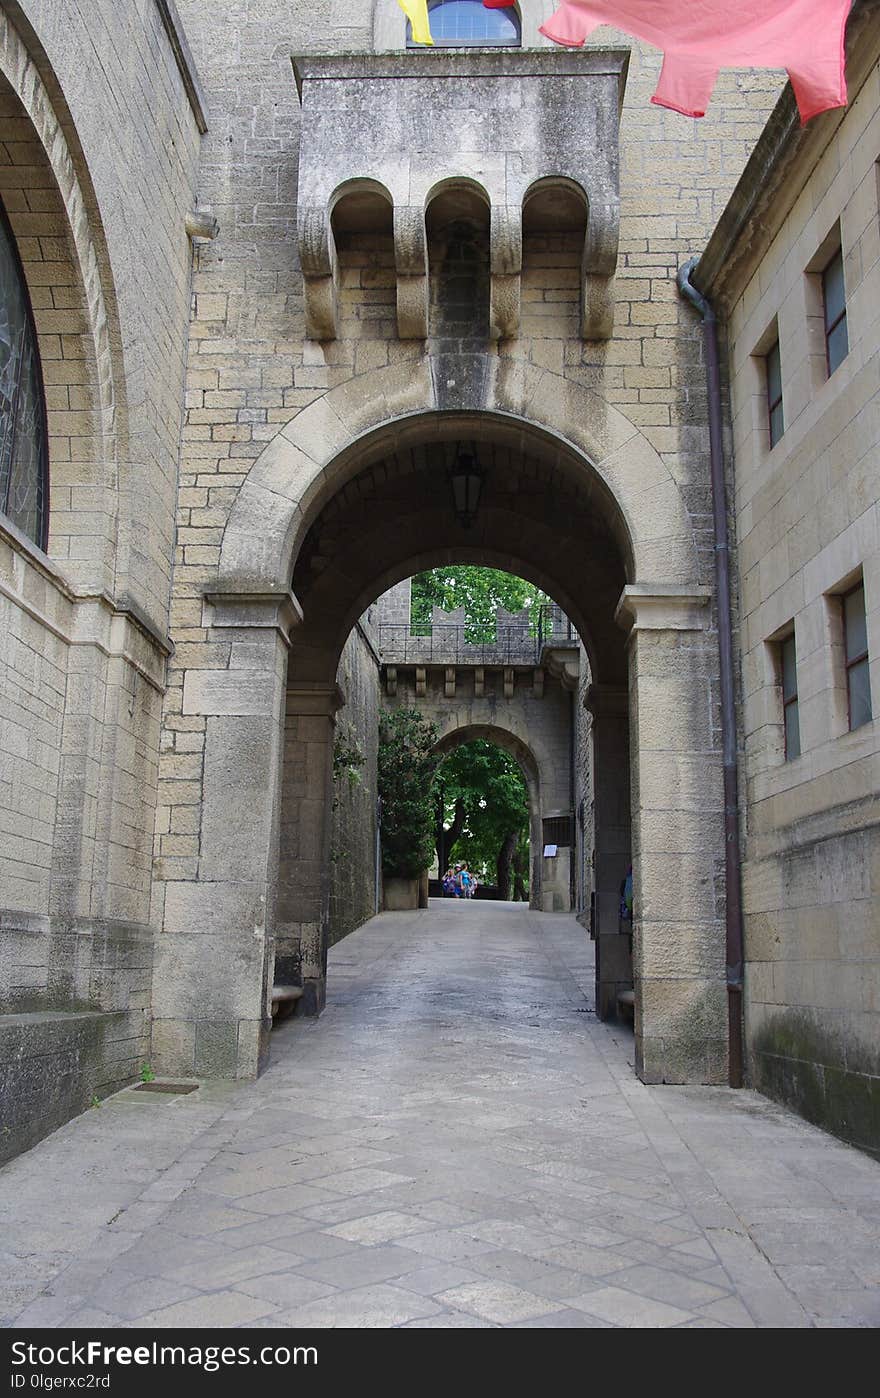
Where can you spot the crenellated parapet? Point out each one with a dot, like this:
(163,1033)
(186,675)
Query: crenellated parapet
(536,130)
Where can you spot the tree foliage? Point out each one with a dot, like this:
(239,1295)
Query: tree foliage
(478,590)
(482,795)
(406,767)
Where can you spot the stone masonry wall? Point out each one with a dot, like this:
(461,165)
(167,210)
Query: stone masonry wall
(584,795)
(808,525)
(97,175)
(353,837)
(135,141)
(251,370)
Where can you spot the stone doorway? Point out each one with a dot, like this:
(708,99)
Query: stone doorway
(350,499)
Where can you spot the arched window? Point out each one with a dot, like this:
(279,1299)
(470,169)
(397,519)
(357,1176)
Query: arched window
(467,23)
(23,449)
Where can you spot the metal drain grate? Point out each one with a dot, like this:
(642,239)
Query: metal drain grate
(176,1089)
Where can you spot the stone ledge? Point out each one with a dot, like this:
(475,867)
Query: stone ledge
(475,63)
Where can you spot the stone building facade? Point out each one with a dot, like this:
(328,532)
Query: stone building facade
(806,506)
(419,255)
(106,261)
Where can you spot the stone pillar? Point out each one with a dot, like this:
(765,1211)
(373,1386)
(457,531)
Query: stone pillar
(214,957)
(678,836)
(608,706)
(304,880)
(556,881)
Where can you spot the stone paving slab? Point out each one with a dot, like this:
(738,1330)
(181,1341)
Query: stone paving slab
(455,1143)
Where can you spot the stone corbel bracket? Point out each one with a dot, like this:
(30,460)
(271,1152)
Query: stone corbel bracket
(663,607)
(505,267)
(320,268)
(598,266)
(563,663)
(411,263)
(248,611)
(201,226)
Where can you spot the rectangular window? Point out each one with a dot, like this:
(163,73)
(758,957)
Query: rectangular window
(855,649)
(790,716)
(558,831)
(834,307)
(773,366)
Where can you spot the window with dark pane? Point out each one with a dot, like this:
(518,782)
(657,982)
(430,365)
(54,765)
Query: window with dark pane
(790,715)
(23,450)
(855,638)
(558,830)
(774,394)
(834,304)
(467,23)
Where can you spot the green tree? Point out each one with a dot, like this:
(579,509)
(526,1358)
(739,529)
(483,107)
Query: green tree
(406,767)
(478,590)
(482,814)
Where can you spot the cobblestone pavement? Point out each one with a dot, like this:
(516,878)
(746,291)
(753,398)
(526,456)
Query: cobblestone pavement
(456,1142)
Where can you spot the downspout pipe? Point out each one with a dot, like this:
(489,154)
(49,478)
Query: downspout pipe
(732,850)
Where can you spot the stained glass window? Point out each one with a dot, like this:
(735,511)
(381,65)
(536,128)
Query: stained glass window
(467,23)
(23,452)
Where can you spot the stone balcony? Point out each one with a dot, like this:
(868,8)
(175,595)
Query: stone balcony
(547,644)
(383,135)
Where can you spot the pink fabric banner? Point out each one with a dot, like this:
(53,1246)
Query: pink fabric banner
(805,37)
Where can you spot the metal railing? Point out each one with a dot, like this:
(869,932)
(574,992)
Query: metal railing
(518,642)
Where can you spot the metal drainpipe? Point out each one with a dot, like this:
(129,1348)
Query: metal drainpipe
(732,853)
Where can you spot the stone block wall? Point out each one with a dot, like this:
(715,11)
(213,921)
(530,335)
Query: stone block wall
(80,705)
(252,371)
(353,827)
(808,528)
(99,144)
(120,98)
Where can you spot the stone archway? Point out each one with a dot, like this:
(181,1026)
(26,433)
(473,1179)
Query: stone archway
(536,750)
(77,268)
(604,501)
(321,448)
(459,732)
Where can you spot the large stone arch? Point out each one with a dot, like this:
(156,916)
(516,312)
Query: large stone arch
(320,449)
(461,728)
(33,116)
(278,624)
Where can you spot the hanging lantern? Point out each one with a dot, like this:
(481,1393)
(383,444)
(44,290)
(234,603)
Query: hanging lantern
(466,480)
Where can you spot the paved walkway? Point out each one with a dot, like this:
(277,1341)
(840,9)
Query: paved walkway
(456,1142)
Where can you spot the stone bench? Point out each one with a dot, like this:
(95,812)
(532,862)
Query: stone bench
(284,998)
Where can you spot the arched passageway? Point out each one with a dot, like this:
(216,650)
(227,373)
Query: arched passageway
(459,735)
(355,495)
(540,515)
